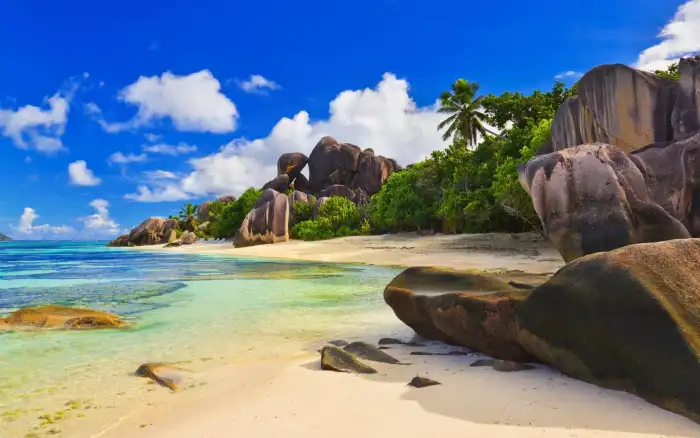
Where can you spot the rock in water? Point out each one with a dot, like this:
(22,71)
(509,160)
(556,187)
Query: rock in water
(164,374)
(63,317)
(336,359)
(152,231)
(370,352)
(471,310)
(422,382)
(628,320)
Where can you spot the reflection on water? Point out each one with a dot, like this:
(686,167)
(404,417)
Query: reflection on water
(184,307)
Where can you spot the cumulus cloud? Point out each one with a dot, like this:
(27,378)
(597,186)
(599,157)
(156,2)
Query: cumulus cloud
(25,226)
(152,137)
(258,84)
(80,174)
(384,118)
(680,37)
(569,75)
(99,223)
(158,174)
(172,150)
(163,193)
(31,127)
(120,158)
(193,103)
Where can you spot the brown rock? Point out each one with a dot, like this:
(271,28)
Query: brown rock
(188,238)
(279,184)
(372,172)
(203,211)
(332,158)
(338,190)
(686,112)
(470,310)
(627,319)
(504,366)
(422,382)
(291,164)
(152,231)
(63,317)
(164,374)
(370,352)
(267,223)
(337,359)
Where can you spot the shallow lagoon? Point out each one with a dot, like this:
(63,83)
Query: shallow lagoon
(203,310)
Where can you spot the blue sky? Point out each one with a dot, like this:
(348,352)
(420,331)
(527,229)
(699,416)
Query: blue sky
(111,114)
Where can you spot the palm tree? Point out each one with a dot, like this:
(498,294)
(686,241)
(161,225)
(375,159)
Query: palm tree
(467,118)
(188,217)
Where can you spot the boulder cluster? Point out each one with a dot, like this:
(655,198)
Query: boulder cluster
(152,231)
(622,165)
(627,319)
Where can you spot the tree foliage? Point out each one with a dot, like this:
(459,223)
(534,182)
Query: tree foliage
(227,218)
(671,72)
(466,120)
(188,217)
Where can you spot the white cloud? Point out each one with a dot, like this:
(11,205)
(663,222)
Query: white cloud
(80,174)
(384,118)
(152,137)
(680,37)
(569,75)
(31,127)
(26,227)
(193,103)
(100,223)
(92,109)
(158,174)
(258,84)
(120,158)
(167,149)
(166,193)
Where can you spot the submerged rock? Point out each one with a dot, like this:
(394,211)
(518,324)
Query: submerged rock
(337,359)
(370,352)
(627,320)
(164,374)
(423,382)
(63,317)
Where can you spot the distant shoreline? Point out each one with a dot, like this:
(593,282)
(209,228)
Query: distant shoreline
(493,252)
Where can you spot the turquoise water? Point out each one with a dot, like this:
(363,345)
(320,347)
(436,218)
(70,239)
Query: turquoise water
(206,310)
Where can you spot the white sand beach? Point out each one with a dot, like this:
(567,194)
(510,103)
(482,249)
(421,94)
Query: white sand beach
(294,398)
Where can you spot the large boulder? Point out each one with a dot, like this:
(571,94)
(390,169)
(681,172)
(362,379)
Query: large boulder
(461,308)
(291,164)
(280,183)
(266,223)
(596,197)
(62,317)
(188,238)
(616,105)
(686,112)
(332,162)
(226,199)
(372,172)
(152,231)
(203,214)
(338,190)
(628,320)
(302,184)
(266,196)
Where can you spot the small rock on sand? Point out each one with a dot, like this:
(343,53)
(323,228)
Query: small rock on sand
(336,359)
(338,343)
(370,352)
(422,382)
(164,374)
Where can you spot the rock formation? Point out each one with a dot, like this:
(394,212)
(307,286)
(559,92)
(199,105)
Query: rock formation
(152,231)
(291,164)
(461,308)
(336,359)
(61,317)
(373,171)
(164,374)
(268,222)
(280,183)
(188,238)
(628,108)
(4,238)
(626,320)
(203,211)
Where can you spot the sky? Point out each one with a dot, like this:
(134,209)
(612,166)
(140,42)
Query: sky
(112,113)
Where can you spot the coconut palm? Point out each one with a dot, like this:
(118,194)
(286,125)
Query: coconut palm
(467,118)
(188,217)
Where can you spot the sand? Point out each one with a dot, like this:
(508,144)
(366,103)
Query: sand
(488,252)
(294,398)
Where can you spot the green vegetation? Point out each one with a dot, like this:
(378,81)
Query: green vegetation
(337,217)
(671,72)
(227,219)
(188,217)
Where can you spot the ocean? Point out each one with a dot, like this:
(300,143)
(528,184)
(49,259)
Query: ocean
(204,310)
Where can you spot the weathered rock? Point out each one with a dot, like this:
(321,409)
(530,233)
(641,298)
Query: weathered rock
(173,236)
(361,197)
(338,190)
(302,184)
(423,382)
(338,343)
(332,158)
(291,164)
(372,172)
(390,341)
(226,199)
(686,112)
(616,105)
(203,214)
(280,183)
(504,366)
(174,244)
(267,223)
(593,198)
(370,352)
(63,317)
(628,320)
(188,238)
(164,374)
(152,231)
(336,359)
(268,195)
(471,310)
